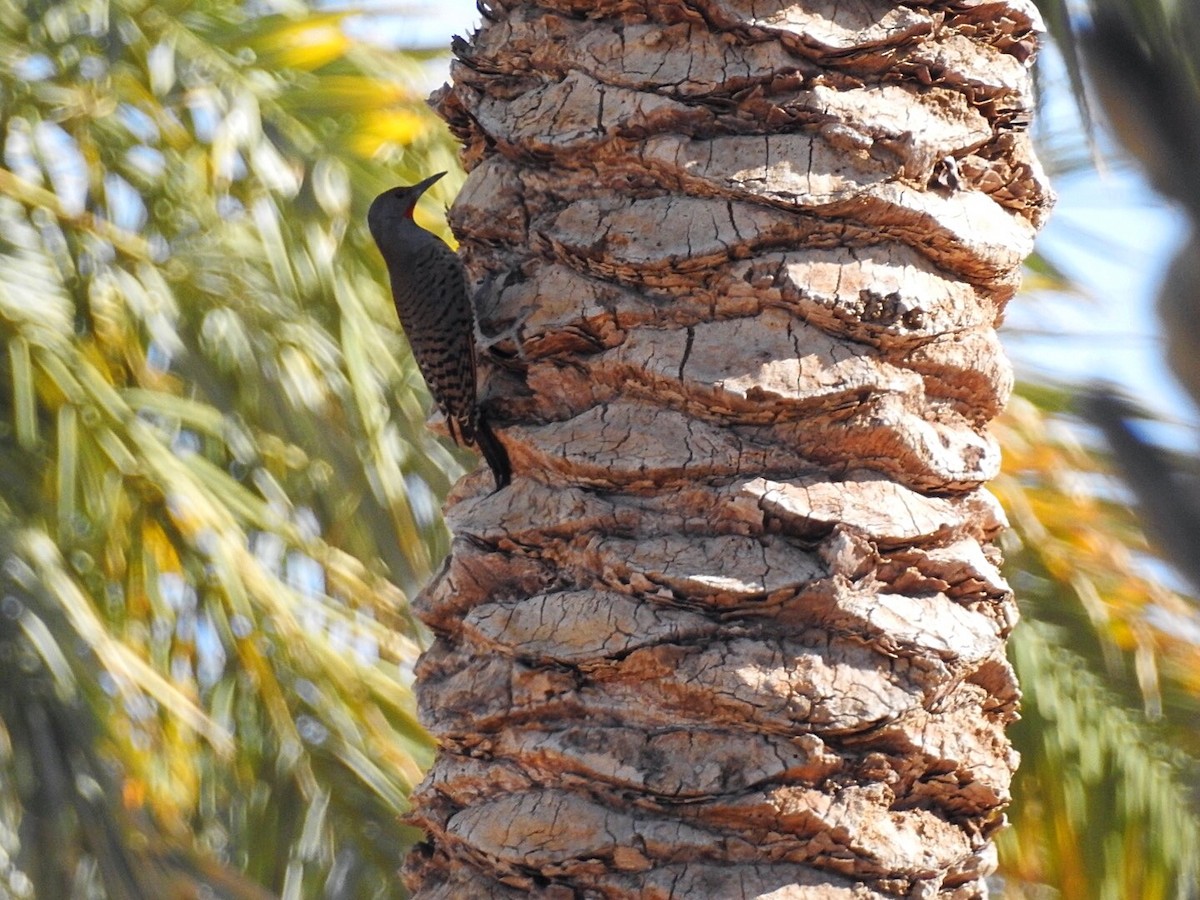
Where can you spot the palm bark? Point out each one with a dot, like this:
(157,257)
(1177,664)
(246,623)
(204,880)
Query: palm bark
(737,626)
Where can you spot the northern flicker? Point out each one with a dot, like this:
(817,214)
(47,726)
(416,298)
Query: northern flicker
(429,289)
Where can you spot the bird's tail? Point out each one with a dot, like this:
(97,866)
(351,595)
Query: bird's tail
(494,453)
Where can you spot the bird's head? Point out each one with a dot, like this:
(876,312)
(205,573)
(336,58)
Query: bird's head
(393,206)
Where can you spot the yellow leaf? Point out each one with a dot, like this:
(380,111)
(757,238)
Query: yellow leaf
(307,44)
(358,94)
(394,127)
(159,548)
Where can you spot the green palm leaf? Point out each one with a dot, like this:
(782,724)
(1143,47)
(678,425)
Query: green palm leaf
(222,486)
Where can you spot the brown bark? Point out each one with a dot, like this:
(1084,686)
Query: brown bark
(736,629)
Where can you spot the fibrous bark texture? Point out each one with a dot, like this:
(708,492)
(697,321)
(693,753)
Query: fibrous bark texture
(736,629)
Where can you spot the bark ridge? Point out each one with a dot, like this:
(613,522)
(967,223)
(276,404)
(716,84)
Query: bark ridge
(737,627)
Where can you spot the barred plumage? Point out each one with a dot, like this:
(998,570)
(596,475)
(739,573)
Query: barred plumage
(430,293)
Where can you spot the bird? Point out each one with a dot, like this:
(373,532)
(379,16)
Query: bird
(429,289)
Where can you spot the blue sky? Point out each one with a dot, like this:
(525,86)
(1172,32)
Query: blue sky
(1114,236)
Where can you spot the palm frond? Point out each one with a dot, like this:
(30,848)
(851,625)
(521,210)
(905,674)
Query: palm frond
(1101,809)
(1108,738)
(222,484)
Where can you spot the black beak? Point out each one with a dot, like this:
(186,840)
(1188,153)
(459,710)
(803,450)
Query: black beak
(422,186)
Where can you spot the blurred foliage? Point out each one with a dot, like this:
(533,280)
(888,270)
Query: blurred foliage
(216,487)
(1098,811)
(1163,33)
(1109,652)
(1108,661)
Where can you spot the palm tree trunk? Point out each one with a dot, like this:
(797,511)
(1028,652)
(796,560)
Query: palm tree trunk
(737,626)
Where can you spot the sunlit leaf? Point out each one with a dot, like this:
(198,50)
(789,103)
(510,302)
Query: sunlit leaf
(391,128)
(221,446)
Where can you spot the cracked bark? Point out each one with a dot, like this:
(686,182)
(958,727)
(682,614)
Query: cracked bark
(736,628)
